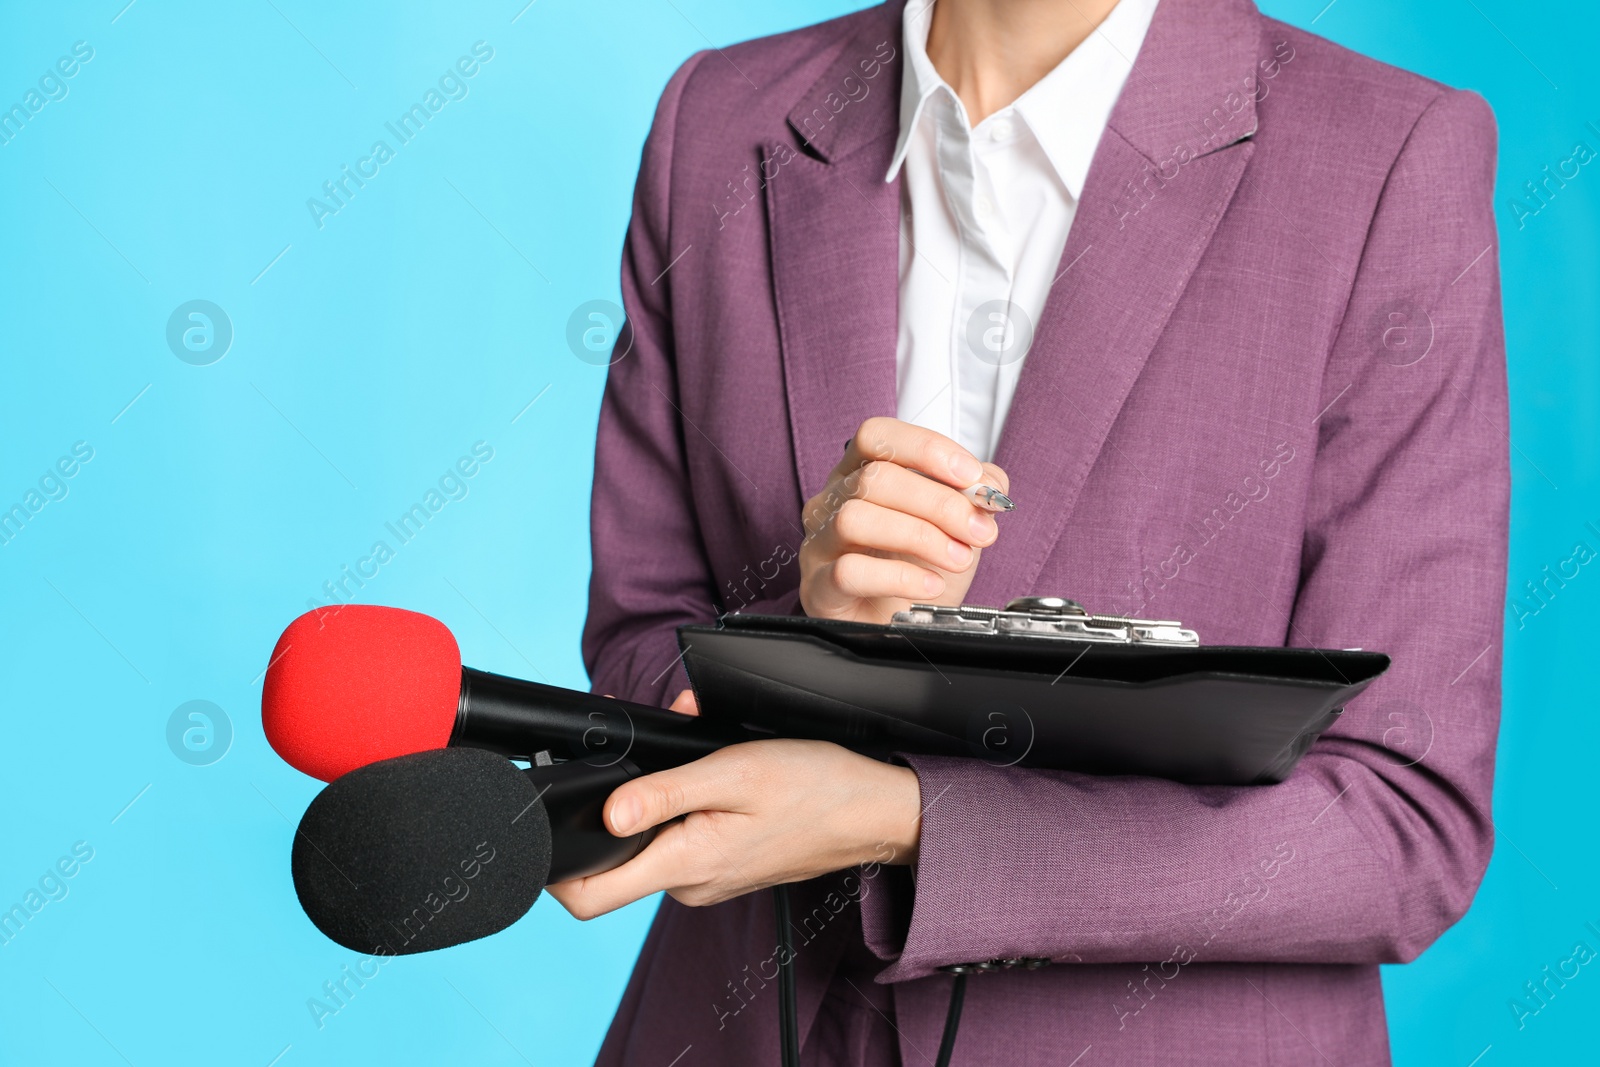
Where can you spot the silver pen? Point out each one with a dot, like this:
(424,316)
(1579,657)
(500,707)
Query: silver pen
(984,496)
(988,498)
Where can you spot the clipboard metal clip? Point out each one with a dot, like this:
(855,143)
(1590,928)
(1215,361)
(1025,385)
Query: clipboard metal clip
(1047,617)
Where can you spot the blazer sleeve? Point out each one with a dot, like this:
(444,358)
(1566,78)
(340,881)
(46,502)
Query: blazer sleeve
(1377,843)
(650,572)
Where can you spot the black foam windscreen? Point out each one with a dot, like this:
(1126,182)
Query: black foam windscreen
(422,852)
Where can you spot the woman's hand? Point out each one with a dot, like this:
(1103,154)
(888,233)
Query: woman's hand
(758,814)
(881,536)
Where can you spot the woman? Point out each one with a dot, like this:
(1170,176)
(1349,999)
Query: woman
(1216,302)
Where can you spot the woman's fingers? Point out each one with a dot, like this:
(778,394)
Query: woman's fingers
(912,446)
(898,489)
(863,526)
(726,780)
(758,814)
(718,786)
(892,526)
(671,862)
(858,576)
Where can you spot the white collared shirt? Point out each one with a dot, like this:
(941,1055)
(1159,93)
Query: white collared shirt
(984,217)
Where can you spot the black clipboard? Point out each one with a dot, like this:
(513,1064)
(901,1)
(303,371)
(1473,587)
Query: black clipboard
(1099,694)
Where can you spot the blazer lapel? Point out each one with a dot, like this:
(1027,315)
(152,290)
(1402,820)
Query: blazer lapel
(835,226)
(1141,227)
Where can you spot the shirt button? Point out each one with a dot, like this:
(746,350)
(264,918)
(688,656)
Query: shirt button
(984,207)
(1001,129)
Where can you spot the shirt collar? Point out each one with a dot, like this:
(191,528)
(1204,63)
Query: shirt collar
(1066,110)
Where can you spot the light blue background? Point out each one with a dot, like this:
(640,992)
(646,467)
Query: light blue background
(424,317)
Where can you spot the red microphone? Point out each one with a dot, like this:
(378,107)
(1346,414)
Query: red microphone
(354,684)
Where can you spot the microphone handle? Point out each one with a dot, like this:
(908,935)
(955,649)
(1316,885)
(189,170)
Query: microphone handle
(519,718)
(574,796)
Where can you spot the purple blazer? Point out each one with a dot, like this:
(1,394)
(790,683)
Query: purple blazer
(1266,397)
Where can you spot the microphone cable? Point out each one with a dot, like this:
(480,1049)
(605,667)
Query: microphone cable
(952,1020)
(788,1010)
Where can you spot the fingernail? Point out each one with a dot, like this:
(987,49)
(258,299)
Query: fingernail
(932,583)
(626,815)
(965,469)
(960,554)
(983,528)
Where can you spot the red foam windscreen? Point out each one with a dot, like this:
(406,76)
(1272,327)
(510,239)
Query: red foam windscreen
(353,684)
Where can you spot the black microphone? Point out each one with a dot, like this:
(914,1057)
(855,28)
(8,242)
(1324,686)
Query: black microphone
(350,685)
(438,848)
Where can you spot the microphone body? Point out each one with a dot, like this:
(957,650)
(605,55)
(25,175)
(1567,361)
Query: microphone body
(518,718)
